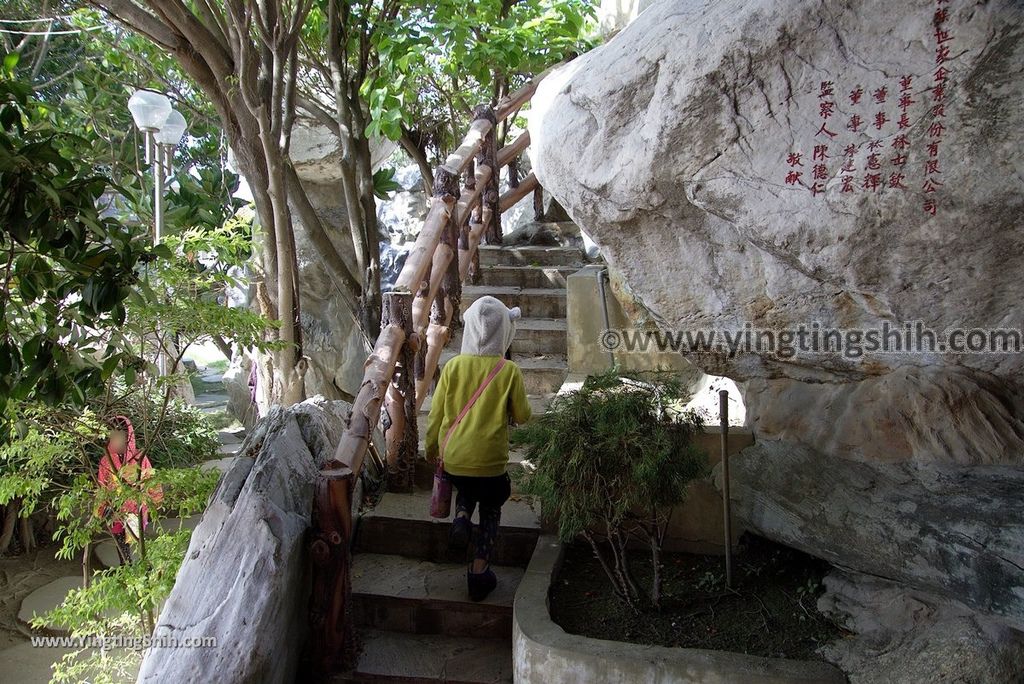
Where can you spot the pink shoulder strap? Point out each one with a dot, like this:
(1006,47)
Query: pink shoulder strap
(469,404)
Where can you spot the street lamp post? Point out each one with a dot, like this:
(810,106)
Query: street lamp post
(163,128)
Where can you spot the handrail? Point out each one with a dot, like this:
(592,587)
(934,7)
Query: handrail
(416,324)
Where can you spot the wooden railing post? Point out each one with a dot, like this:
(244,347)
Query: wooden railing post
(332,647)
(488,155)
(400,429)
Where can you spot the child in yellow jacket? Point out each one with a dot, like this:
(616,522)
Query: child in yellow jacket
(475,454)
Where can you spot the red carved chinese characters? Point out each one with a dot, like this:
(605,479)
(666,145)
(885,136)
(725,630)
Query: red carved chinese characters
(864,129)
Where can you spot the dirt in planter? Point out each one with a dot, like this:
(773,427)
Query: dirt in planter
(771,611)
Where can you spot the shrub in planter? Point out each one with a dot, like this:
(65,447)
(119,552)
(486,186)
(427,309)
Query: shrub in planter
(609,462)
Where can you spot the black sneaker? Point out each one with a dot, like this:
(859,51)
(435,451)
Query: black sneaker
(481,584)
(459,533)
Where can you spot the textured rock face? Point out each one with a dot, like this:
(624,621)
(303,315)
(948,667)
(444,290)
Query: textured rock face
(332,340)
(333,343)
(954,532)
(909,637)
(671,147)
(244,578)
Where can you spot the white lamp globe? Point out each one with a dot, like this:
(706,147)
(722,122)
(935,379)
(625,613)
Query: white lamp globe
(172,130)
(149,109)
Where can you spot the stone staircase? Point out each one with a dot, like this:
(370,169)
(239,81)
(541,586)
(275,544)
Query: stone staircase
(414,619)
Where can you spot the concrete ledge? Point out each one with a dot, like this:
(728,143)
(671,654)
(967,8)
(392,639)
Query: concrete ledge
(543,652)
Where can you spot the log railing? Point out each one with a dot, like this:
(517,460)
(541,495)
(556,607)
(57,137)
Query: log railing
(416,324)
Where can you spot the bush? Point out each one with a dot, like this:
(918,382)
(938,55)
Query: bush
(184,436)
(609,462)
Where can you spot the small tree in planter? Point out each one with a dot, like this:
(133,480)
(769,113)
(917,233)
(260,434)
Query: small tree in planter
(609,462)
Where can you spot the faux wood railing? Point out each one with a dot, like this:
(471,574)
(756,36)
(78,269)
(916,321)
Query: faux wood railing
(416,325)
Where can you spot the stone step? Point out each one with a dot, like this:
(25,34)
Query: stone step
(420,597)
(106,553)
(535,302)
(540,336)
(398,657)
(233,435)
(494,255)
(525,276)
(542,374)
(46,598)
(221,465)
(401,524)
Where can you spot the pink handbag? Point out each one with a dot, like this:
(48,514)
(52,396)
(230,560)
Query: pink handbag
(441,495)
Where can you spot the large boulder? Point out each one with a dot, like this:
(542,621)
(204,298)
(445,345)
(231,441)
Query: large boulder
(952,531)
(671,146)
(244,580)
(727,157)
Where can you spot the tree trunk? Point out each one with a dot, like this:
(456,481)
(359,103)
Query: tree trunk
(27,534)
(11,511)
(419,155)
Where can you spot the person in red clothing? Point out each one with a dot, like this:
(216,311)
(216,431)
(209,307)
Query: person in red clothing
(124,466)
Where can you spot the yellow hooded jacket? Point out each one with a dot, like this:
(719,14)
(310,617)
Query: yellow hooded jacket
(479,445)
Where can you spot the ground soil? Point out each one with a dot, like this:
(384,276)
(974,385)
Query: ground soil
(20,575)
(770,612)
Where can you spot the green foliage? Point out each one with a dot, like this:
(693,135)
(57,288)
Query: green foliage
(173,435)
(440,58)
(424,65)
(122,602)
(67,269)
(610,460)
(384,182)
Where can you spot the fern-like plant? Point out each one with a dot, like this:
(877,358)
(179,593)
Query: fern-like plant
(608,462)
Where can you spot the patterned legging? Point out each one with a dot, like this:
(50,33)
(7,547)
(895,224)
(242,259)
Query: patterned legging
(491,493)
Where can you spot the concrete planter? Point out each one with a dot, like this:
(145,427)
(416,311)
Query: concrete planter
(543,652)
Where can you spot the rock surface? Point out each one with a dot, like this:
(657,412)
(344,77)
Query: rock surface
(953,532)
(243,581)
(905,637)
(670,146)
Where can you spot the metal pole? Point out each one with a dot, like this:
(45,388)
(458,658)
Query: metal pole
(158,225)
(601,275)
(723,416)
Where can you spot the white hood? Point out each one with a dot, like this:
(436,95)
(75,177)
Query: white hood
(489,327)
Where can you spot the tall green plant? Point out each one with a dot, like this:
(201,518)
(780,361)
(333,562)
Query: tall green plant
(609,462)
(67,270)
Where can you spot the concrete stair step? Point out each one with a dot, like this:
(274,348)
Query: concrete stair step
(398,657)
(525,276)
(420,597)
(535,302)
(235,435)
(542,374)
(401,524)
(540,336)
(530,255)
